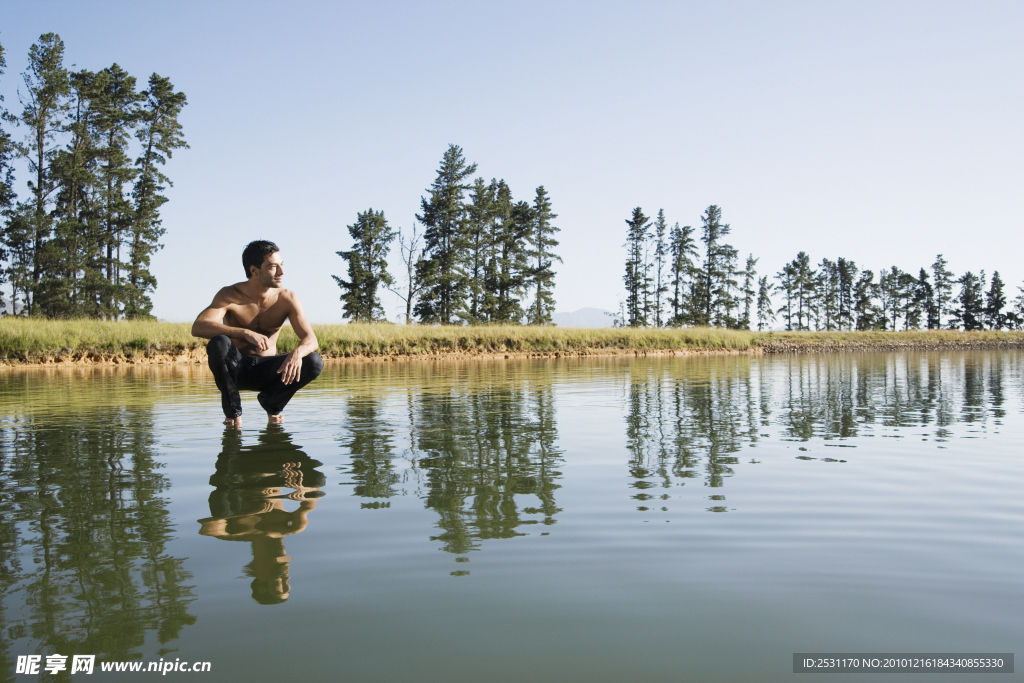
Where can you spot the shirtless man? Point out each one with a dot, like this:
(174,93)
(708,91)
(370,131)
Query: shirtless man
(243,324)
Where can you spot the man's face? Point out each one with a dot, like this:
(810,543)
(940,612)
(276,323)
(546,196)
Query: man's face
(271,272)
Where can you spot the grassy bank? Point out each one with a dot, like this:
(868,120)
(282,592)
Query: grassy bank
(43,341)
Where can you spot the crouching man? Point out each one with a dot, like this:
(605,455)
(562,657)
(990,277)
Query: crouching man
(243,324)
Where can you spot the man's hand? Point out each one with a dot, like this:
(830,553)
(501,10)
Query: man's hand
(258,340)
(291,368)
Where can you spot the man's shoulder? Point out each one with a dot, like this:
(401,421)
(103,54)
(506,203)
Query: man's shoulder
(287,296)
(229,295)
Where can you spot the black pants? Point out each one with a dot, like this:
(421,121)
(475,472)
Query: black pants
(233,371)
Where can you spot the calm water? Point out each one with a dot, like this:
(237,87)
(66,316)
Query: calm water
(563,520)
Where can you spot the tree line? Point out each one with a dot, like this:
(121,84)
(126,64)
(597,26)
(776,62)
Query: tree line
(672,282)
(836,296)
(80,243)
(482,257)
(678,277)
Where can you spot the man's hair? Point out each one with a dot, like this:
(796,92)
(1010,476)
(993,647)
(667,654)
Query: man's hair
(254,254)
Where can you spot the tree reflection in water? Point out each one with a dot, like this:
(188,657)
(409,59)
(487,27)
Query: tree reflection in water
(688,418)
(248,503)
(84,526)
(484,453)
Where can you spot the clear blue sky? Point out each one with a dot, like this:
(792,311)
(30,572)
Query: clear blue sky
(884,132)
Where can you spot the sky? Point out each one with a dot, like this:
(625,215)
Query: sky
(882,132)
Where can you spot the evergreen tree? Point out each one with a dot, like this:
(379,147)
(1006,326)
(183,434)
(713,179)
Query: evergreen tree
(478,246)
(787,283)
(542,242)
(712,300)
(726,301)
(510,269)
(828,295)
(995,302)
(81,244)
(799,283)
(660,253)
(499,223)
(942,284)
(160,134)
(908,300)
(867,316)
(367,267)
(7,196)
(748,291)
(924,300)
(847,282)
(443,219)
(1017,316)
(971,310)
(683,250)
(636,276)
(73,271)
(44,106)
(765,315)
(889,295)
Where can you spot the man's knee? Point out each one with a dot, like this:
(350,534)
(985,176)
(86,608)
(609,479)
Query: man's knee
(312,365)
(218,346)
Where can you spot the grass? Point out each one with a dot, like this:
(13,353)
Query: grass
(36,340)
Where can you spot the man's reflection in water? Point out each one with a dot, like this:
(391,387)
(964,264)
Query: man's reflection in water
(249,503)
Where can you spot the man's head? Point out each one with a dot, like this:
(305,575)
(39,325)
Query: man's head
(262,261)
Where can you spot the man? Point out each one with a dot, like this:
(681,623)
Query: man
(243,324)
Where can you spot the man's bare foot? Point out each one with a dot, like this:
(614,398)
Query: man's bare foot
(275,419)
(235,422)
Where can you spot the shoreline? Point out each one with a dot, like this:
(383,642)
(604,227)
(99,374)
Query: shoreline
(765,346)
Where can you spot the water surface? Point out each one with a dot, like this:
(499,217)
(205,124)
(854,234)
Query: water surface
(693,518)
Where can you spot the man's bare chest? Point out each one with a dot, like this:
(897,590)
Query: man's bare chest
(252,316)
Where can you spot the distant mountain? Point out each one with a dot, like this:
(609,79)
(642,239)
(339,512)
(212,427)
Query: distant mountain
(585,317)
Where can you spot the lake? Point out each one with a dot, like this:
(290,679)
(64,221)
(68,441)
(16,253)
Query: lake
(606,519)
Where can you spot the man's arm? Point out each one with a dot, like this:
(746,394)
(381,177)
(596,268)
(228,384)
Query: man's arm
(210,323)
(308,343)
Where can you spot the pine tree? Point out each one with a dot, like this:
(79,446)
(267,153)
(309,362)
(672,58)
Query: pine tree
(7,195)
(942,283)
(443,219)
(160,134)
(799,283)
(765,315)
(683,251)
(924,300)
(636,276)
(748,291)
(512,270)
(787,283)
(660,253)
(542,242)
(995,302)
(500,220)
(909,307)
(971,310)
(847,281)
(367,267)
(889,294)
(828,294)
(714,281)
(1017,318)
(478,246)
(866,313)
(69,277)
(44,106)
(118,113)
